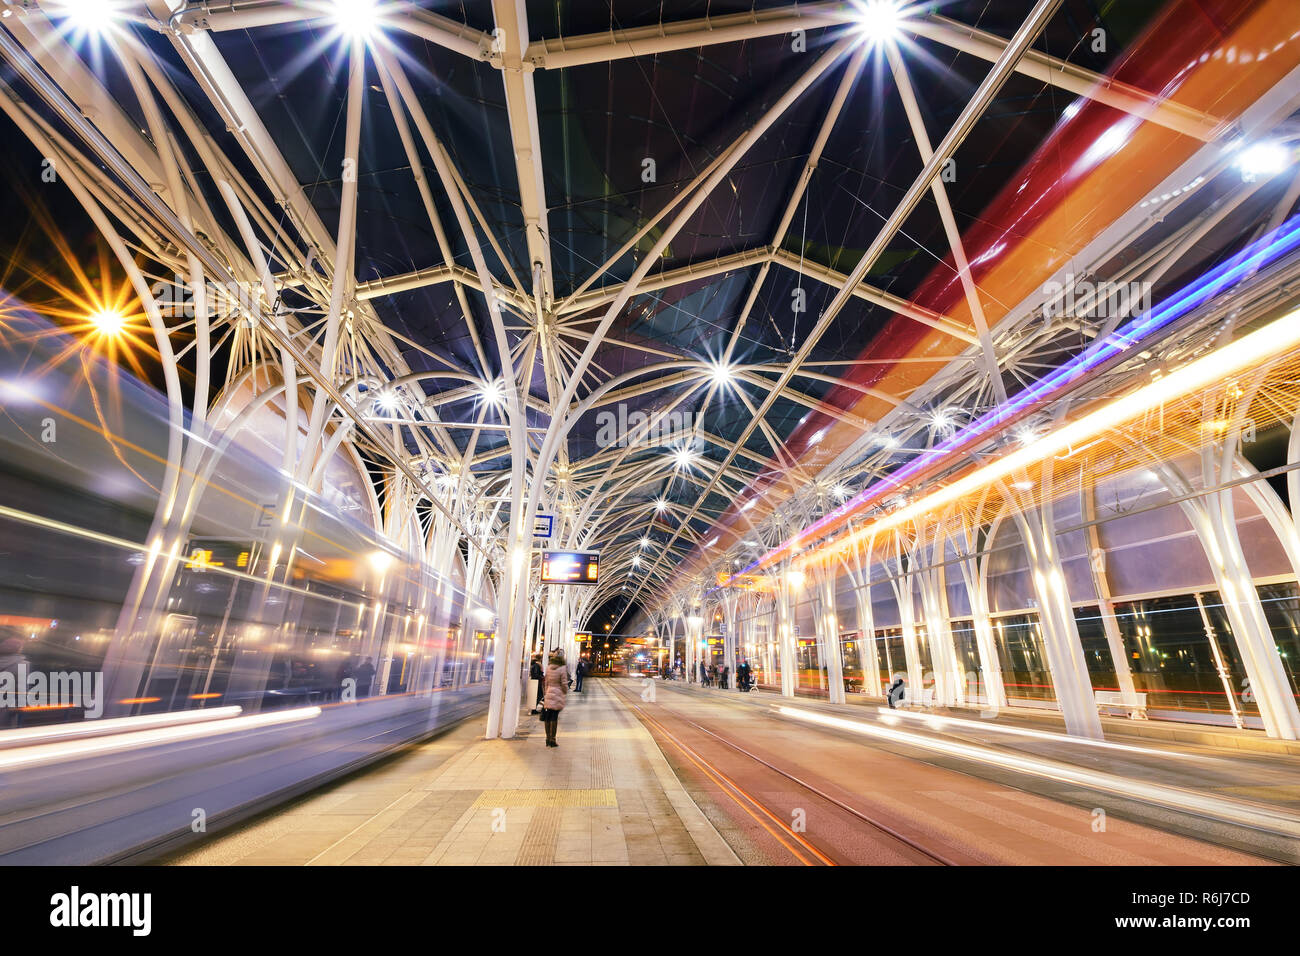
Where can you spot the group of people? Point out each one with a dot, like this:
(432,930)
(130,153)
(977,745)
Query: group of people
(362,672)
(711,675)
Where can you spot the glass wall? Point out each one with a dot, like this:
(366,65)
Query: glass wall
(1170,643)
(1282,608)
(968,658)
(1096,649)
(854,658)
(1023,657)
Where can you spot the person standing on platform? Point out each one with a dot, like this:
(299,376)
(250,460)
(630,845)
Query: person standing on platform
(365,676)
(535,673)
(726,676)
(557,693)
(580,672)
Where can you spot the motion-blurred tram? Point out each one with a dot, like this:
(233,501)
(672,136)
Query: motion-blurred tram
(284,645)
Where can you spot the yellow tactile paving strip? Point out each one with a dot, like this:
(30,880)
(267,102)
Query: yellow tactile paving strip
(490,799)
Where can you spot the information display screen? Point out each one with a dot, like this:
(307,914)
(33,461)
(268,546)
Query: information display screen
(570,567)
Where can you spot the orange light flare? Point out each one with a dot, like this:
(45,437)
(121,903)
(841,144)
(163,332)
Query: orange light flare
(100,312)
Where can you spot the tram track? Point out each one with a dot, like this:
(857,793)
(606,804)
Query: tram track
(795,841)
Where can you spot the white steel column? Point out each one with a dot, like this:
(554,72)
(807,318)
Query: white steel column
(730,602)
(787,582)
(901,583)
(974,572)
(1213,519)
(1097,562)
(694,628)
(828,632)
(1065,659)
(949,676)
(860,574)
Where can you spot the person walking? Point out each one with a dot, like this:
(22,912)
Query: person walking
(580,672)
(557,693)
(726,676)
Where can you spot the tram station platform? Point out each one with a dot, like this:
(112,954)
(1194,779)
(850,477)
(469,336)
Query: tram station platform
(605,796)
(701,776)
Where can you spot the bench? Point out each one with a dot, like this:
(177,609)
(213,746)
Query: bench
(1111,698)
(925,699)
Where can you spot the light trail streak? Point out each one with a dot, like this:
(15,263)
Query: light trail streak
(114,725)
(1264,251)
(119,743)
(1177,798)
(941,723)
(1276,338)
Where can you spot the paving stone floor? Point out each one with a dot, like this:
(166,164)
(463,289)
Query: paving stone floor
(605,796)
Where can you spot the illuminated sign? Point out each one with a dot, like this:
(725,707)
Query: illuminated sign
(203,554)
(484,635)
(570,567)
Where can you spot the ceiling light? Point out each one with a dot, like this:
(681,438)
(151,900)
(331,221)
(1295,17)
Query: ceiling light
(89,16)
(941,420)
(840,491)
(645,542)
(355,18)
(387,400)
(721,374)
(1267,158)
(661,505)
(491,392)
(683,458)
(380,560)
(108,321)
(1026,434)
(879,20)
